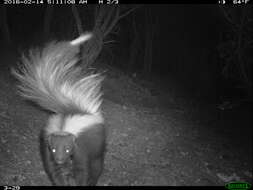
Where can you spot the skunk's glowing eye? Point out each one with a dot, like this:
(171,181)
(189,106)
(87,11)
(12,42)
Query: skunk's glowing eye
(53,150)
(67,150)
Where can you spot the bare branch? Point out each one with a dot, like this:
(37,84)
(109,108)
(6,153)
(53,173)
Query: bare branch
(110,41)
(128,11)
(228,18)
(113,23)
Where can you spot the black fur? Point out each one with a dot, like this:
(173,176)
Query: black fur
(83,165)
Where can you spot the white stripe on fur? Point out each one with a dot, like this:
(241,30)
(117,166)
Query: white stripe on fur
(74,124)
(54,124)
(85,93)
(78,123)
(81,39)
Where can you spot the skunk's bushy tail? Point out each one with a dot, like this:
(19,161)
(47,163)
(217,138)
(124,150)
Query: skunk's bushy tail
(51,78)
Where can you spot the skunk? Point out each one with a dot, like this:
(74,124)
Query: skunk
(73,142)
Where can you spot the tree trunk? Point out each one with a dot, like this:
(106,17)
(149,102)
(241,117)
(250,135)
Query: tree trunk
(77,19)
(134,47)
(148,52)
(92,48)
(4,25)
(47,20)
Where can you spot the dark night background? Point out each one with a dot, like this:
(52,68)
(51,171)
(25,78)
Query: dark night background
(185,45)
(192,61)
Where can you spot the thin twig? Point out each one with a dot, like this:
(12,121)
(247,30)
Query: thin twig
(113,23)
(110,41)
(227,16)
(127,12)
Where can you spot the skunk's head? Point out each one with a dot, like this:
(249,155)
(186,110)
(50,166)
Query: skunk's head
(61,147)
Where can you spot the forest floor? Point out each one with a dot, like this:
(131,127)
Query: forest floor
(156,136)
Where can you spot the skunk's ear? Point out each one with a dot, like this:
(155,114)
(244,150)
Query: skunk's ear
(73,139)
